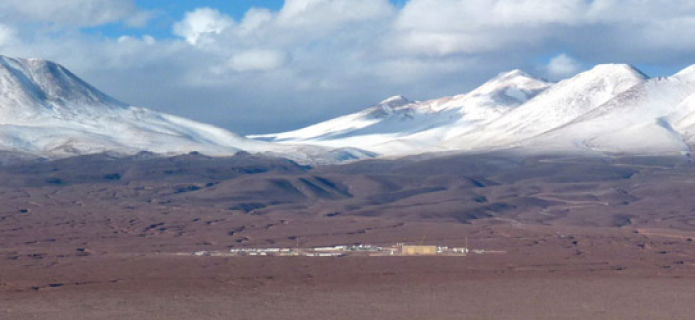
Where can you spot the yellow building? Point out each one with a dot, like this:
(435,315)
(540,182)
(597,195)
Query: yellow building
(418,250)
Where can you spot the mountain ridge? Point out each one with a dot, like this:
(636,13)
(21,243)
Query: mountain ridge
(418,124)
(48,111)
(657,111)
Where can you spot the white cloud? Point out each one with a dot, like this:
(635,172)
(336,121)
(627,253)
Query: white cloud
(148,39)
(73,12)
(258,60)
(563,66)
(6,34)
(468,15)
(331,57)
(254,19)
(330,13)
(198,25)
(139,19)
(445,27)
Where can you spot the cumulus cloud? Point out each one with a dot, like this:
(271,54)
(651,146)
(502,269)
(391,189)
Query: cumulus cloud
(81,13)
(563,66)
(445,27)
(254,19)
(198,25)
(6,34)
(138,19)
(330,57)
(331,13)
(258,60)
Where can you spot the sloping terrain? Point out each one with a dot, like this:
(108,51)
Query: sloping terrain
(561,104)
(398,125)
(612,109)
(654,117)
(47,111)
(458,188)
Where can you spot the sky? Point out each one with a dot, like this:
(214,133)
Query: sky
(262,66)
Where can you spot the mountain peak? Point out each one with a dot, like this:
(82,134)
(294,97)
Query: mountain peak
(510,88)
(610,79)
(47,111)
(395,101)
(22,64)
(39,84)
(560,104)
(515,76)
(512,74)
(616,69)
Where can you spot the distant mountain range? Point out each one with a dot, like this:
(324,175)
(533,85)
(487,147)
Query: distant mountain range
(46,111)
(610,109)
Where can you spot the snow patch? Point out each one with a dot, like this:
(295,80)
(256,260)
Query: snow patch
(47,111)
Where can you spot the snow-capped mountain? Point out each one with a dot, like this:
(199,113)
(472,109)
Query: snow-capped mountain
(610,109)
(560,104)
(47,111)
(398,125)
(656,116)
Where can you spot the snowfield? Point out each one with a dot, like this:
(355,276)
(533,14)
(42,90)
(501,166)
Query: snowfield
(47,111)
(610,109)
(400,126)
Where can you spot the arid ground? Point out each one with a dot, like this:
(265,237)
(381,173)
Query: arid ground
(104,238)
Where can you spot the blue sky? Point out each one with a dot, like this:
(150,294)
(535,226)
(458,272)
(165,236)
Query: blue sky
(288,64)
(167,12)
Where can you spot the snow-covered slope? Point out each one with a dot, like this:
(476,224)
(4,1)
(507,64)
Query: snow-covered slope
(398,125)
(654,117)
(47,111)
(561,104)
(610,109)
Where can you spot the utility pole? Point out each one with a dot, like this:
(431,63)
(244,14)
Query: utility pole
(467,245)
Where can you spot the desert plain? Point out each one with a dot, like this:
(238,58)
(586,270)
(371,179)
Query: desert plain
(102,237)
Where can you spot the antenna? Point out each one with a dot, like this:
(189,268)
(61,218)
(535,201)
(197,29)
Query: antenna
(424,235)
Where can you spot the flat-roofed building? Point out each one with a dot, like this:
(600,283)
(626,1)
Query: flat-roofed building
(418,250)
